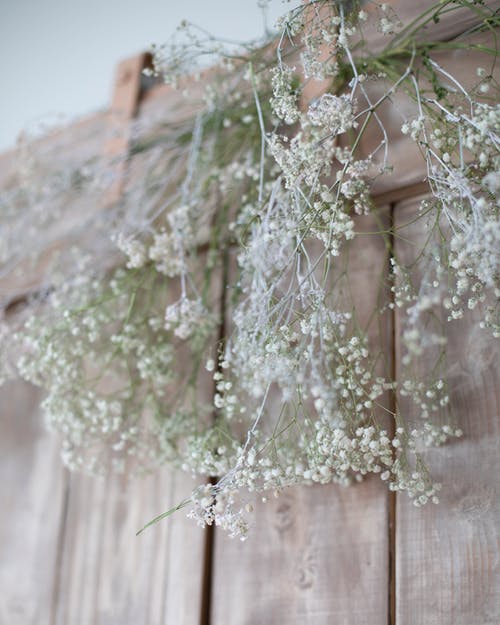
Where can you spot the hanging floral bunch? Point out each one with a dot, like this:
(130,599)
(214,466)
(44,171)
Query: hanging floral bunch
(233,271)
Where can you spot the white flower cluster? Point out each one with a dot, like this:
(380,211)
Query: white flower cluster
(388,22)
(285,95)
(277,184)
(134,250)
(334,113)
(213,506)
(466,197)
(186,317)
(167,250)
(165,256)
(106,360)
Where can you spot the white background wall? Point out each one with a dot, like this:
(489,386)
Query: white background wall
(57,57)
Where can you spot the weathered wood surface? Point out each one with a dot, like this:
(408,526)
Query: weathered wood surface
(324,549)
(316,555)
(71,539)
(68,553)
(68,550)
(32,499)
(448,556)
(319,554)
(108,576)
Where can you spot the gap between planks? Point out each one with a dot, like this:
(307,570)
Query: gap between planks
(209,547)
(207,577)
(391,500)
(61,538)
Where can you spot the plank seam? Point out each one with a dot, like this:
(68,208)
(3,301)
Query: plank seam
(208,556)
(61,539)
(168,547)
(392,399)
(208,568)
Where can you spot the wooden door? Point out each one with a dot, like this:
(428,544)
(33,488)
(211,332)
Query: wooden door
(317,555)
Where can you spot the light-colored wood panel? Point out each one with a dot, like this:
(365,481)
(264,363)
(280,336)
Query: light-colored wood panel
(110,576)
(32,492)
(448,555)
(317,554)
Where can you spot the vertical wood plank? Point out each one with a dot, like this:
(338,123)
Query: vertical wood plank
(448,555)
(317,554)
(95,569)
(111,576)
(31,509)
(124,105)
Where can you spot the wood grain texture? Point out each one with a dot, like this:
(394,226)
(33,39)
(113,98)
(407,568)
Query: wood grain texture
(32,492)
(448,556)
(318,554)
(109,576)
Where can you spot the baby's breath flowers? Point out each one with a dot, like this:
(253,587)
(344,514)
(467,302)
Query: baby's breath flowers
(269,192)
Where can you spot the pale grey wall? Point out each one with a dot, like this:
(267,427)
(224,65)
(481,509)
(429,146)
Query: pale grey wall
(58,56)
